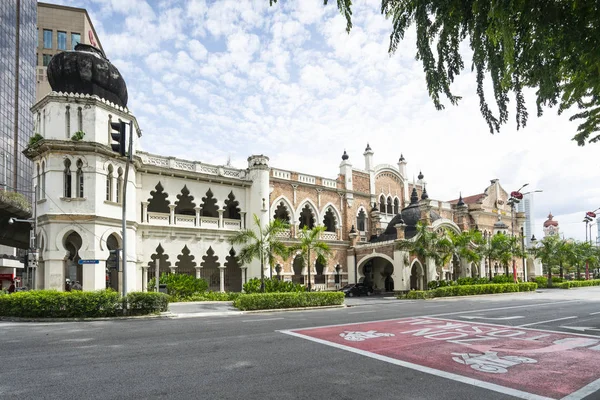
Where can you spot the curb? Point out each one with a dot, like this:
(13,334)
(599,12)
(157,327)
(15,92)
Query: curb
(163,315)
(292,309)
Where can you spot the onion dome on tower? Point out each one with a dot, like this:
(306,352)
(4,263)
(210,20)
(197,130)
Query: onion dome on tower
(87,71)
(345,156)
(550,226)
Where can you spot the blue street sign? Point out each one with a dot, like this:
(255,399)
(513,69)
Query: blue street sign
(88,262)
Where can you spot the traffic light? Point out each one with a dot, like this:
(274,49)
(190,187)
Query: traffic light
(118,136)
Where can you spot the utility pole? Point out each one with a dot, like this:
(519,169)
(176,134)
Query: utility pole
(156,274)
(124,218)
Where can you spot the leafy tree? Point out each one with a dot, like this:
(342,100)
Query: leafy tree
(550,46)
(262,243)
(428,244)
(467,244)
(310,240)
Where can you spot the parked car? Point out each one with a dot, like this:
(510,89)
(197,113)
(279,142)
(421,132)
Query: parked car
(357,289)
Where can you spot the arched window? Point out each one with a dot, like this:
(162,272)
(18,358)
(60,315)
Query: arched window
(79,178)
(307,218)
(109,183)
(282,213)
(390,208)
(79,119)
(361,220)
(68,122)
(382,204)
(120,185)
(396,206)
(329,221)
(67,179)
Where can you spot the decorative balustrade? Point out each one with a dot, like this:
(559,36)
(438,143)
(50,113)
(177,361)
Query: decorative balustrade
(281,174)
(284,234)
(329,236)
(158,218)
(232,224)
(307,179)
(185,220)
(209,222)
(173,163)
(329,183)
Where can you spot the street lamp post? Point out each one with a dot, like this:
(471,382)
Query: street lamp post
(589,217)
(515,197)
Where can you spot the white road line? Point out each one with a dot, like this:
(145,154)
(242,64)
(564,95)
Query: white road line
(262,319)
(361,312)
(594,313)
(543,322)
(448,375)
(584,391)
(451,313)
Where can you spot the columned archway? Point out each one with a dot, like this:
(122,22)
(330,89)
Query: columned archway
(73,270)
(113,270)
(377,272)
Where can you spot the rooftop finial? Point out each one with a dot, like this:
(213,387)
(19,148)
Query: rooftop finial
(401,158)
(420,176)
(460,200)
(368,147)
(424,195)
(345,156)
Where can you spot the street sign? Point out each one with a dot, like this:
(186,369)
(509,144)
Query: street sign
(81,262)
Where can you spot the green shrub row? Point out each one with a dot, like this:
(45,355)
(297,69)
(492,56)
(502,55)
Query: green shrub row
(179,286)
(270,301)
(498,279)
(570,284)
(272,286)
(214,296)
(542,281)
(469,290)
(80,304)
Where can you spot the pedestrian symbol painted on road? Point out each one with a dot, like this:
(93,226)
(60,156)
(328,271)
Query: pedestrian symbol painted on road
(355,336)
(490,362)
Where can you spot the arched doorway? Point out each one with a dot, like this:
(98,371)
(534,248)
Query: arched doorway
(73,271)
(417,276)
(377,272)
(474,270)
(297,266)
(455,267)
(112,267)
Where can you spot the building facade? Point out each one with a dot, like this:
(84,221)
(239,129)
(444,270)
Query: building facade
(182,214)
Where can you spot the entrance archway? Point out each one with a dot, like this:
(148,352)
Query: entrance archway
(377,272)
(474,270)
(73,271)
(112,269)
(417,276)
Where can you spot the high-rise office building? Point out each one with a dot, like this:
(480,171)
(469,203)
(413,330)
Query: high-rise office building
(60,28)
(17,92)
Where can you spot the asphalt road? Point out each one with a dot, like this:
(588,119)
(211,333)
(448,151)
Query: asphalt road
(249,357)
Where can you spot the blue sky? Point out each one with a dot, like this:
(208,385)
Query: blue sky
(212,80)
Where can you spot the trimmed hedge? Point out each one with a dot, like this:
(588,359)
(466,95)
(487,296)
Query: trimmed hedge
(570,284)
(270,301)
(272,286)
(417,295)
(214,296)
(468,290)
(79,304)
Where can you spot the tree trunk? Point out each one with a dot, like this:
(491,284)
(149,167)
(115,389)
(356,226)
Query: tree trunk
(308,265)
(561,271)
(490,266)
(549,276)
(262,274)
(578,272)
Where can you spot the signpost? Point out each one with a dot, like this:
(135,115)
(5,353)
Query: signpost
(81,262)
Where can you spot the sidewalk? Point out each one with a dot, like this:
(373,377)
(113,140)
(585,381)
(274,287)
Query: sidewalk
(202,309)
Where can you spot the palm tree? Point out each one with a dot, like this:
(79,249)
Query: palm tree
(547,252)
(589,254)
(428,244)
(504,249)
(467,245)
(261,243)
(310,240)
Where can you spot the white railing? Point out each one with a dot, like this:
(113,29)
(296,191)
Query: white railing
(158,218)
(284,234)
(329,183)
(185,220)
(281,174)
(329,236)
(209,222)
(191,166)
(319,287)
(307,179)
(232,224)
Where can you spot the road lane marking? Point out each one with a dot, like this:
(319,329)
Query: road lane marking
(360,312)
(594,313)
(504,308)
(584,391)
(543,322)
(494,318)
(262,319)
(448,375)
(581,328)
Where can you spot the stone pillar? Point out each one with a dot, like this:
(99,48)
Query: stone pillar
(353,238)
(172,214)
(144,278)
(54,274)
(425,208)
(197,209)
(296,230)
(173,270)
(198,274)
(400,231)
(222,279)
(243,221)
(221,218)
(145,211)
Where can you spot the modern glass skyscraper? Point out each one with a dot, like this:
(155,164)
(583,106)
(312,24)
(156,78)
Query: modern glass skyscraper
(17,91)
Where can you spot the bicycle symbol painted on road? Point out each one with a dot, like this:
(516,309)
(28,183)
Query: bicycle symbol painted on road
(490,362)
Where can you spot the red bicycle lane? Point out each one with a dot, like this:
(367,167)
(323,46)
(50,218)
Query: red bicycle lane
(523,362)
